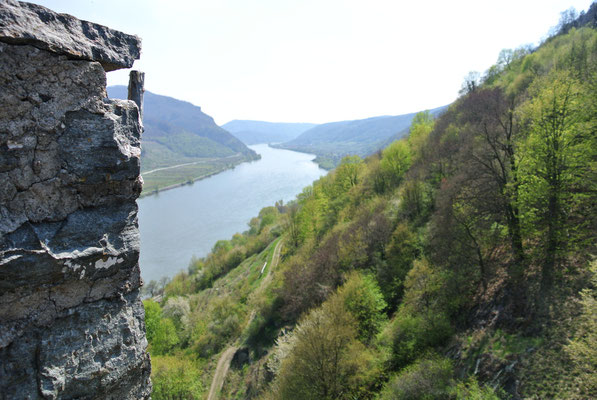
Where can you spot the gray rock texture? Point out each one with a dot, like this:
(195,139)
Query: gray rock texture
(26,23)
(71,319)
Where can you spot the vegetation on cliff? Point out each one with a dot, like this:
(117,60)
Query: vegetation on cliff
(456,263)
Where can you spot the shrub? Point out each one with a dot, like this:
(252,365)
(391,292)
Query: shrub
(427,379)
(181,284)
(161,333)
(470,390)
(582,349)
(218,324)
(175,378)
(414,334)
(178,310)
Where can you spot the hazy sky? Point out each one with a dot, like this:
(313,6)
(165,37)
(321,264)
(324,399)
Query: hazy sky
(317,60)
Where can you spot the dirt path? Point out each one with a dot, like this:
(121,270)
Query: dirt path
(273,264)
(221,371)
(226,357)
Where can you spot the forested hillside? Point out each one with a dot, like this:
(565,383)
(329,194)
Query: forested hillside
(177,133)
(457,263)
(335,140)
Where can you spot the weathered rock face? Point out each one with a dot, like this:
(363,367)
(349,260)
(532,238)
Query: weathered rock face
(71,320)
(26,23)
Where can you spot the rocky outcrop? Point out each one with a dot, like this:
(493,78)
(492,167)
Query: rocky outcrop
(26,23)
(71,320)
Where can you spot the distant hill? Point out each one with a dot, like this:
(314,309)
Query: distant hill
(334,140)
(255,132)
(178,132)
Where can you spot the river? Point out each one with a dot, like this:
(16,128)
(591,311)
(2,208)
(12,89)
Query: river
(187,221)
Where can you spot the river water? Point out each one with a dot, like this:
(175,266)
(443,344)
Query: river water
(179,223)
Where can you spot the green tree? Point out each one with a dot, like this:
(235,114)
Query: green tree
(268,216)
(395,161)
(400,254)
(471,82)
(347,173)
(363,298)
(415,201)
(153,315)
(161,332)
(422,320)
(420,128)
(490,174)
(556,154)
(326,361)
(177,309)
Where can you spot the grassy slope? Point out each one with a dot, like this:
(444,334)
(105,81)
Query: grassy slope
(241,286)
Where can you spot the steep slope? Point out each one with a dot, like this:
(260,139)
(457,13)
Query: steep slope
(256,132)
(450,265)
(178,133)
(362,137)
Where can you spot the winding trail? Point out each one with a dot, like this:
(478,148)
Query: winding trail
(226,357)
(221,371)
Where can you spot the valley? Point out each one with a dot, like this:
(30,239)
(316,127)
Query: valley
(256,132)
(334,140)
(454,263)
(181,144)
(445,254)
(178,224)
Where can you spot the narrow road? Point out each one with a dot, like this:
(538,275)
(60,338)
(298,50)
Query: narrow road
(189,163)
(226,357)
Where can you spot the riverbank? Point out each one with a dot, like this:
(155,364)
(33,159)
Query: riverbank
(187,221)
(170,177)
(324,160)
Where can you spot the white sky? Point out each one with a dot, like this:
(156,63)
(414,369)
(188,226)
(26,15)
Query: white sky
(317,60)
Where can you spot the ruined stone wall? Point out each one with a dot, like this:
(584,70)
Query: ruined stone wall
(71,320)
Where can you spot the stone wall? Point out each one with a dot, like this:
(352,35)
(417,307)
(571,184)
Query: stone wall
(71,319)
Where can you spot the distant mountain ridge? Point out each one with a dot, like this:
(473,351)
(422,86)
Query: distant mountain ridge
(181,143)
(334,140)
(177,131)
(256,132)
